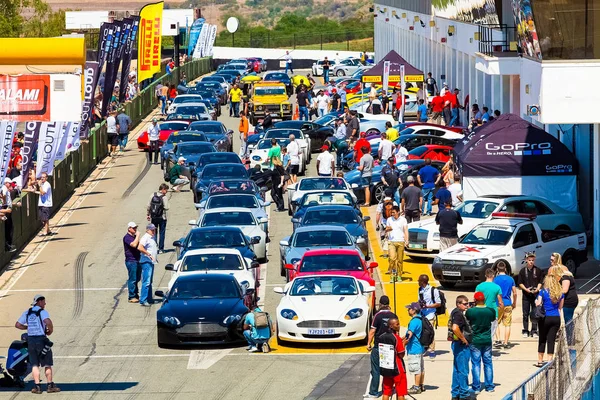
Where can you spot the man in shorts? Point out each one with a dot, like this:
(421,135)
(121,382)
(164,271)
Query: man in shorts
(414,360)
(44,203)
(112,133)
(509,299)
(398,382)
(366,173)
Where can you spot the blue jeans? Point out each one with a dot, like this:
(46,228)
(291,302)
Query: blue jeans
(161,226)
(303,113)
(341,149)
(568,314)
(460,370)
(133,277)
(251,341)
(322,112)
(427,198)
(478,354)
(454,119)
(288,67)
(326,76)
(375,373)
(163,107)
(147,275)
(123,138)
(236,108)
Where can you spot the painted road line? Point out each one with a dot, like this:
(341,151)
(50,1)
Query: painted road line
(69,290)
(316,348)
(117,356)
(262,289)
(204,359)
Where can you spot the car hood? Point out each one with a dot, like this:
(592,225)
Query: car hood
(213,137)
(362,275)
(212,310)
(325,307)
(466,252)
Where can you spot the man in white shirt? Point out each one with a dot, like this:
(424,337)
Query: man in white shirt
(44,203)
(401,154)
(293,150)
(153,138)
(456,191)
(325,162)
(112,133)
(397,231)
(149,249)
(322,103)
(288,62)
(386,147)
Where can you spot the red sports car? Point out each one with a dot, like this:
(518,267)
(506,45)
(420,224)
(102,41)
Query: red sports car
(165,128)
(434,151)
(353,87)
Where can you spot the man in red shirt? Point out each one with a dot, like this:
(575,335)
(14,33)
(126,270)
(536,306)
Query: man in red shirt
(400,107)
(360,143)
(437,108)
(447,113)
(455,105)
(398,381)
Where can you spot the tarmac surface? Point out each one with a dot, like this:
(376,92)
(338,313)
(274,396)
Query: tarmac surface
(105,347)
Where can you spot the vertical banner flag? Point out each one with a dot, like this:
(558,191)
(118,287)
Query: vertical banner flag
(128,54)
(149,42)
(125,31)
(200,45)
(7,134)
(109,74)
(106,31)
(207,40)
(73,141)
(32,133)
(61,150)
(91,74)
(386,77)
(47,147)
(194,35)
(402,84)
(211,42)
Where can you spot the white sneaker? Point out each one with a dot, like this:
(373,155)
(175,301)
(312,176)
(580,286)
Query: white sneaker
(253,349)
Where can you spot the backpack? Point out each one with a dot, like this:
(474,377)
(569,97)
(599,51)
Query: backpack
(157,207)
(441,310)
(38,314)
(427,332)
(387,354)
(261,319)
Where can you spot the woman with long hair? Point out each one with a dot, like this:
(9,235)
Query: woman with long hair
(448,172)
(551,297)
(567,281)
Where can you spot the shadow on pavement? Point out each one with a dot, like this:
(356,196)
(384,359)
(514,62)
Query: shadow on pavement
(80,387)
(86,208)
(72,224)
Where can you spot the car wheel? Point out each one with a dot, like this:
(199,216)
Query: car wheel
(378,193)
(562,228)
(570,262)
(372,132)
(195,196)
(340,72)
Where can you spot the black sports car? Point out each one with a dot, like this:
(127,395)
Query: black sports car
(202,309)
(317,133)
(215,172)
(188,150)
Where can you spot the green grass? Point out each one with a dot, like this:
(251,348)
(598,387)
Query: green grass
(354,45)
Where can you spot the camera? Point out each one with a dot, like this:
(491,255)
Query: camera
(47,346)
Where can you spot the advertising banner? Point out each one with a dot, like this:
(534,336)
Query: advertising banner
(125,32)
(111,66)
(25,97)
(149,42)
(202,40)
(32,134)
(7,134)
(211,41)
(61,151)
(194,35)
(73,141)
(386,76)
(106,31)
(48,147)
(128,52)
(91,74)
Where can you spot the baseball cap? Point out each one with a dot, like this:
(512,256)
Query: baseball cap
(384,300)
(363,134)
(7,180)
(414,306)
(150,227)
(181,159)
(445,84)
(325,147)
(132,225)
(387,199)
(479,296)
(37,298)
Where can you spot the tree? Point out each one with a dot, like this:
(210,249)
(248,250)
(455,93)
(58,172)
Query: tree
(43,23)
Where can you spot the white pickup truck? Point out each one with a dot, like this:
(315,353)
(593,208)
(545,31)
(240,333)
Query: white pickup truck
(507,238)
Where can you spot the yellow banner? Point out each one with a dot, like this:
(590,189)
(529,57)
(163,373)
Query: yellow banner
(149,40)
(393,78)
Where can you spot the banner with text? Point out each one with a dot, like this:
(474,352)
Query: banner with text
(7,134)
(194,35)
(25,97)
(90,80)
(111,64)
(47,147)
(212,36)
(32,134)
(73,142)
(61,151)
(149,42)
(128,52)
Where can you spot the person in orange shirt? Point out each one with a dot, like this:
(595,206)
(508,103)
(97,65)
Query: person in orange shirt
(358,146)
(437,108)
(243,135)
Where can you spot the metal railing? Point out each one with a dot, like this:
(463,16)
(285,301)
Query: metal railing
(489,41)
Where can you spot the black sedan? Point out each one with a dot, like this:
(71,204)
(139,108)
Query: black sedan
(188,150)
(216,133)
(213,172)
(229,237)
(317,133)
(202,309)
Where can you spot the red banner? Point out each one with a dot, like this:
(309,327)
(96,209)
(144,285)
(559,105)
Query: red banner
(25,97)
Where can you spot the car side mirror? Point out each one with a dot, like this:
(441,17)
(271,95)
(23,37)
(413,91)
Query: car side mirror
(255,264)
(369,289)
(192,222)
(367,218)
(373,265)
(278,290)
(169,267)
(177,243)
(230,131)
(159,293)
(361,240)
(255,240)
(290,267)
(284,243)
(295,220)
(263,220)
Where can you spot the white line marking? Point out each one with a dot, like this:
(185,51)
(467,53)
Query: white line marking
(67,290)
(204,359)
(263,270)
(123,356)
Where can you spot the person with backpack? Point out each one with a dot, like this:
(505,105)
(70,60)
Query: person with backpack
(459,333)
(391,362)
(481,318)
(379,326)
(157,213)
(433,303)
(257,330)
(414,349)
(36,321)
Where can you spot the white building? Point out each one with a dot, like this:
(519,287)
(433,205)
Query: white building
(546,69)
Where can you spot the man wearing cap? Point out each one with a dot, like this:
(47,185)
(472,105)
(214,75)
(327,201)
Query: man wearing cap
(414,360)
(379,325)
(412,200)
(6,215)
(149,250)
(325,162)
(131,241)
(36,321)
(530,281)
(153,137)
(176,177)
(481,319)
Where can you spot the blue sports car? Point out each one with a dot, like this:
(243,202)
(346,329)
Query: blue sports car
(216,133)
(215,172)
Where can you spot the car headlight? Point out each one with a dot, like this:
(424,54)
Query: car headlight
(437,260)
(171,321)
(286,106)
(259,108)
(354,313)
(231,319)
(256,158)
(436,236)
(289,314)
(478,262)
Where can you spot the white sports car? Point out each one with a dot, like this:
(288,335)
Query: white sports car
(284,133)
(260,155)
(182,99)
(435,130)
(297,190)
(248,201)
(324,308)
(241,218)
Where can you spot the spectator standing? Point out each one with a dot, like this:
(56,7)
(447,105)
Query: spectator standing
(386,148)
(278,180)
(383,212)
(385,103)
(485,117)
(552,298)
(325,162)
(176,177)
(397,231)
(235,97)
(493,295)
(444,90)
(336,100)
(429,299)
(153,140)
(303,103)
(6,215)
(112,133)
(164,94)
(124,125)
(379,325)
(341,146)
(455,106)
(481,319)
(400,103)
(366,173)
(36,321)
(422,111)
(149,251)
(456,191)
(274,152)
(326,65)
(294,151)
(288,62)
(131,241)
(437,109)
(391,132)
(428,177)
(415,363)
(172,92)
(567,282)
(443,196)
(353,126)
(244,128)
(256,336)
(509,299)
(322,103)
(359,145)
(412,200)
(397,381)
(401,155)
(44,203)
(448,220)
(460,334)
(530,282)
(390,178)
(343,96)
(431,84)
(157,213)
(447,112)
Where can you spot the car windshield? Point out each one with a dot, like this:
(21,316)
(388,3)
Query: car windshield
(325,119)
(269,91)
(321,199)
(211,262)
(419,151)
(194,148)
(324,286)
(232,200)
(214,78)
(266,144)
(206,127)
(234,185)
(344,217)
(276,77)
(476,209)
(179,137)
(224,171)
(322,183)
(332,262)
(283,134)
(493,235)
(210,85)
(210,239)
(220,157)
(172,126)
(187,99)
(204,289)
(231,218)
(322,238)
(191,110)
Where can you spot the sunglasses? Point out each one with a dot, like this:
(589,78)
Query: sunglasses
(465,304)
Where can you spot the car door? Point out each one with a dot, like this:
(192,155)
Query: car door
(526,240)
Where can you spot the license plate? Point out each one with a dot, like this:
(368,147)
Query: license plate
(321,331)
(416,246)
(451,273)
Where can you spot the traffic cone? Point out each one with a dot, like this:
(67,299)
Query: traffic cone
(296,113)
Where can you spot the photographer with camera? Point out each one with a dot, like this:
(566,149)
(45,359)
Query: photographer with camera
(36,321)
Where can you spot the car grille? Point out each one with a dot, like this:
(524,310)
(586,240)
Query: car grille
(273,108)
(452,265)
(201,328)
(321,324)
(417,236)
